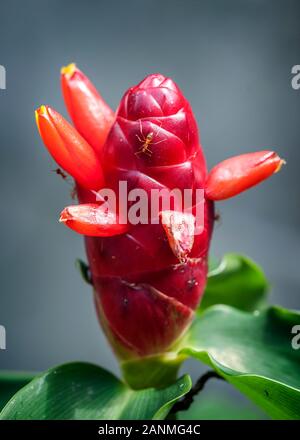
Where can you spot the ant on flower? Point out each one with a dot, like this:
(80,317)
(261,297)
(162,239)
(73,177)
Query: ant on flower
(60,172)
(146,141)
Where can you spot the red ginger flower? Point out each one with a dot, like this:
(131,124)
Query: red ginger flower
(148,278)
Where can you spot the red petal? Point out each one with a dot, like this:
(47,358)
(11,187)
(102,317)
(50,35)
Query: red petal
(93,220)
(91,115)
(69,149)
(235,175)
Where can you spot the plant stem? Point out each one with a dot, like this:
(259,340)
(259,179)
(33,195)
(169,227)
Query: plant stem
(188,399)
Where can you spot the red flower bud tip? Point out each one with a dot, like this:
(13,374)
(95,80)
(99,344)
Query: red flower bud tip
(92,220)
(90,114)
(180,230)
(69,149)
(238,173)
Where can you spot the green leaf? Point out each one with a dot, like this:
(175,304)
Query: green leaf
(212,405)
(85,391)
(253,352)
(236,281)
(10,383)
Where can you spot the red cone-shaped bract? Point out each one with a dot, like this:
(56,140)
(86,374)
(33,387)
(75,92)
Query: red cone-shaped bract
(145,294)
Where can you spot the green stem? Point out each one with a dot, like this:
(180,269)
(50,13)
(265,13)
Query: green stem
(156,371)
(188,399)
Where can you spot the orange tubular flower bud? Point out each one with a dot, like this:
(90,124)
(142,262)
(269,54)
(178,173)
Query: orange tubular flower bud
(90,114)
(93,220)
(235,175)
(69,149)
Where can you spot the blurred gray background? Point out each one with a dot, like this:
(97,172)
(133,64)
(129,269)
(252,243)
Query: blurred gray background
(233,61)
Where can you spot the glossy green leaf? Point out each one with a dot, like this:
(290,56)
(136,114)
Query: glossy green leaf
(210,405)
(10,383)
(236,281)
(253,352)
(85,391)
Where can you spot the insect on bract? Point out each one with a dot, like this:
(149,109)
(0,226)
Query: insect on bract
(146,141)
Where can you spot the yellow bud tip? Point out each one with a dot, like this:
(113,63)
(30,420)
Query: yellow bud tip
(69,70)
(41,111)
